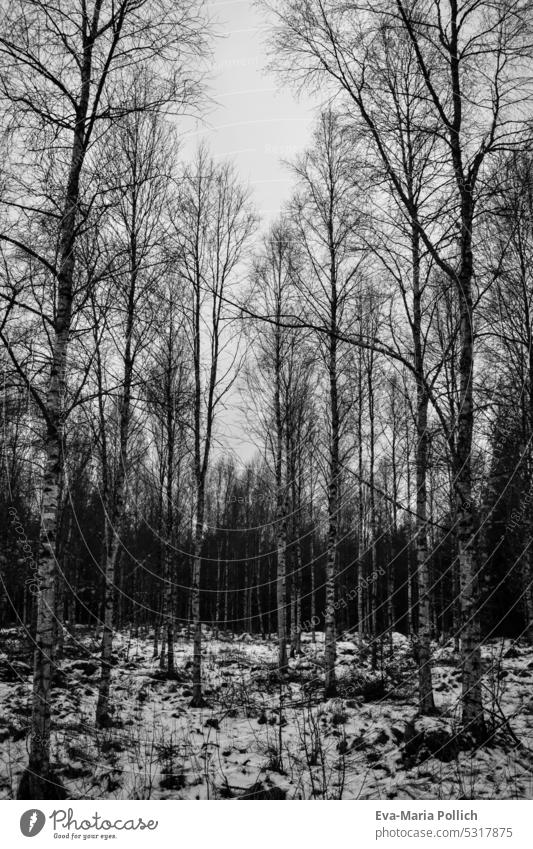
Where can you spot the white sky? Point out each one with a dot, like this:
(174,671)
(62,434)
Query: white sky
(254,121)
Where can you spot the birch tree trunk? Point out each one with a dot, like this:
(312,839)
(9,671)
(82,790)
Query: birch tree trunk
(330,685)
(423,639)
(281,509)
(472,715)
(35,782)
(116,512)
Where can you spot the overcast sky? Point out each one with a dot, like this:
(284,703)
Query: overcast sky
(254,121)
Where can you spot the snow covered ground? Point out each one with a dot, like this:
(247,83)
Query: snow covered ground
(261,739)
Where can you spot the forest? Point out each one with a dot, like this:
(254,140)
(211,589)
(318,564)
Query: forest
(345,611)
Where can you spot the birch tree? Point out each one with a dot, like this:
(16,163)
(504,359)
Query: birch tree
(327,215)
(169,395)
(213,224)
(275,271)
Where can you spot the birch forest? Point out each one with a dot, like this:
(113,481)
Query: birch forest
(344,609)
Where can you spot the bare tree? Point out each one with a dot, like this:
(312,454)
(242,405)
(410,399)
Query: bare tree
(139,150)
(273,293)
(412,141)
(213,225)
(169,395)
(326,215)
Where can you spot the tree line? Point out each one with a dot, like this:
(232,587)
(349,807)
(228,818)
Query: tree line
(374,341)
